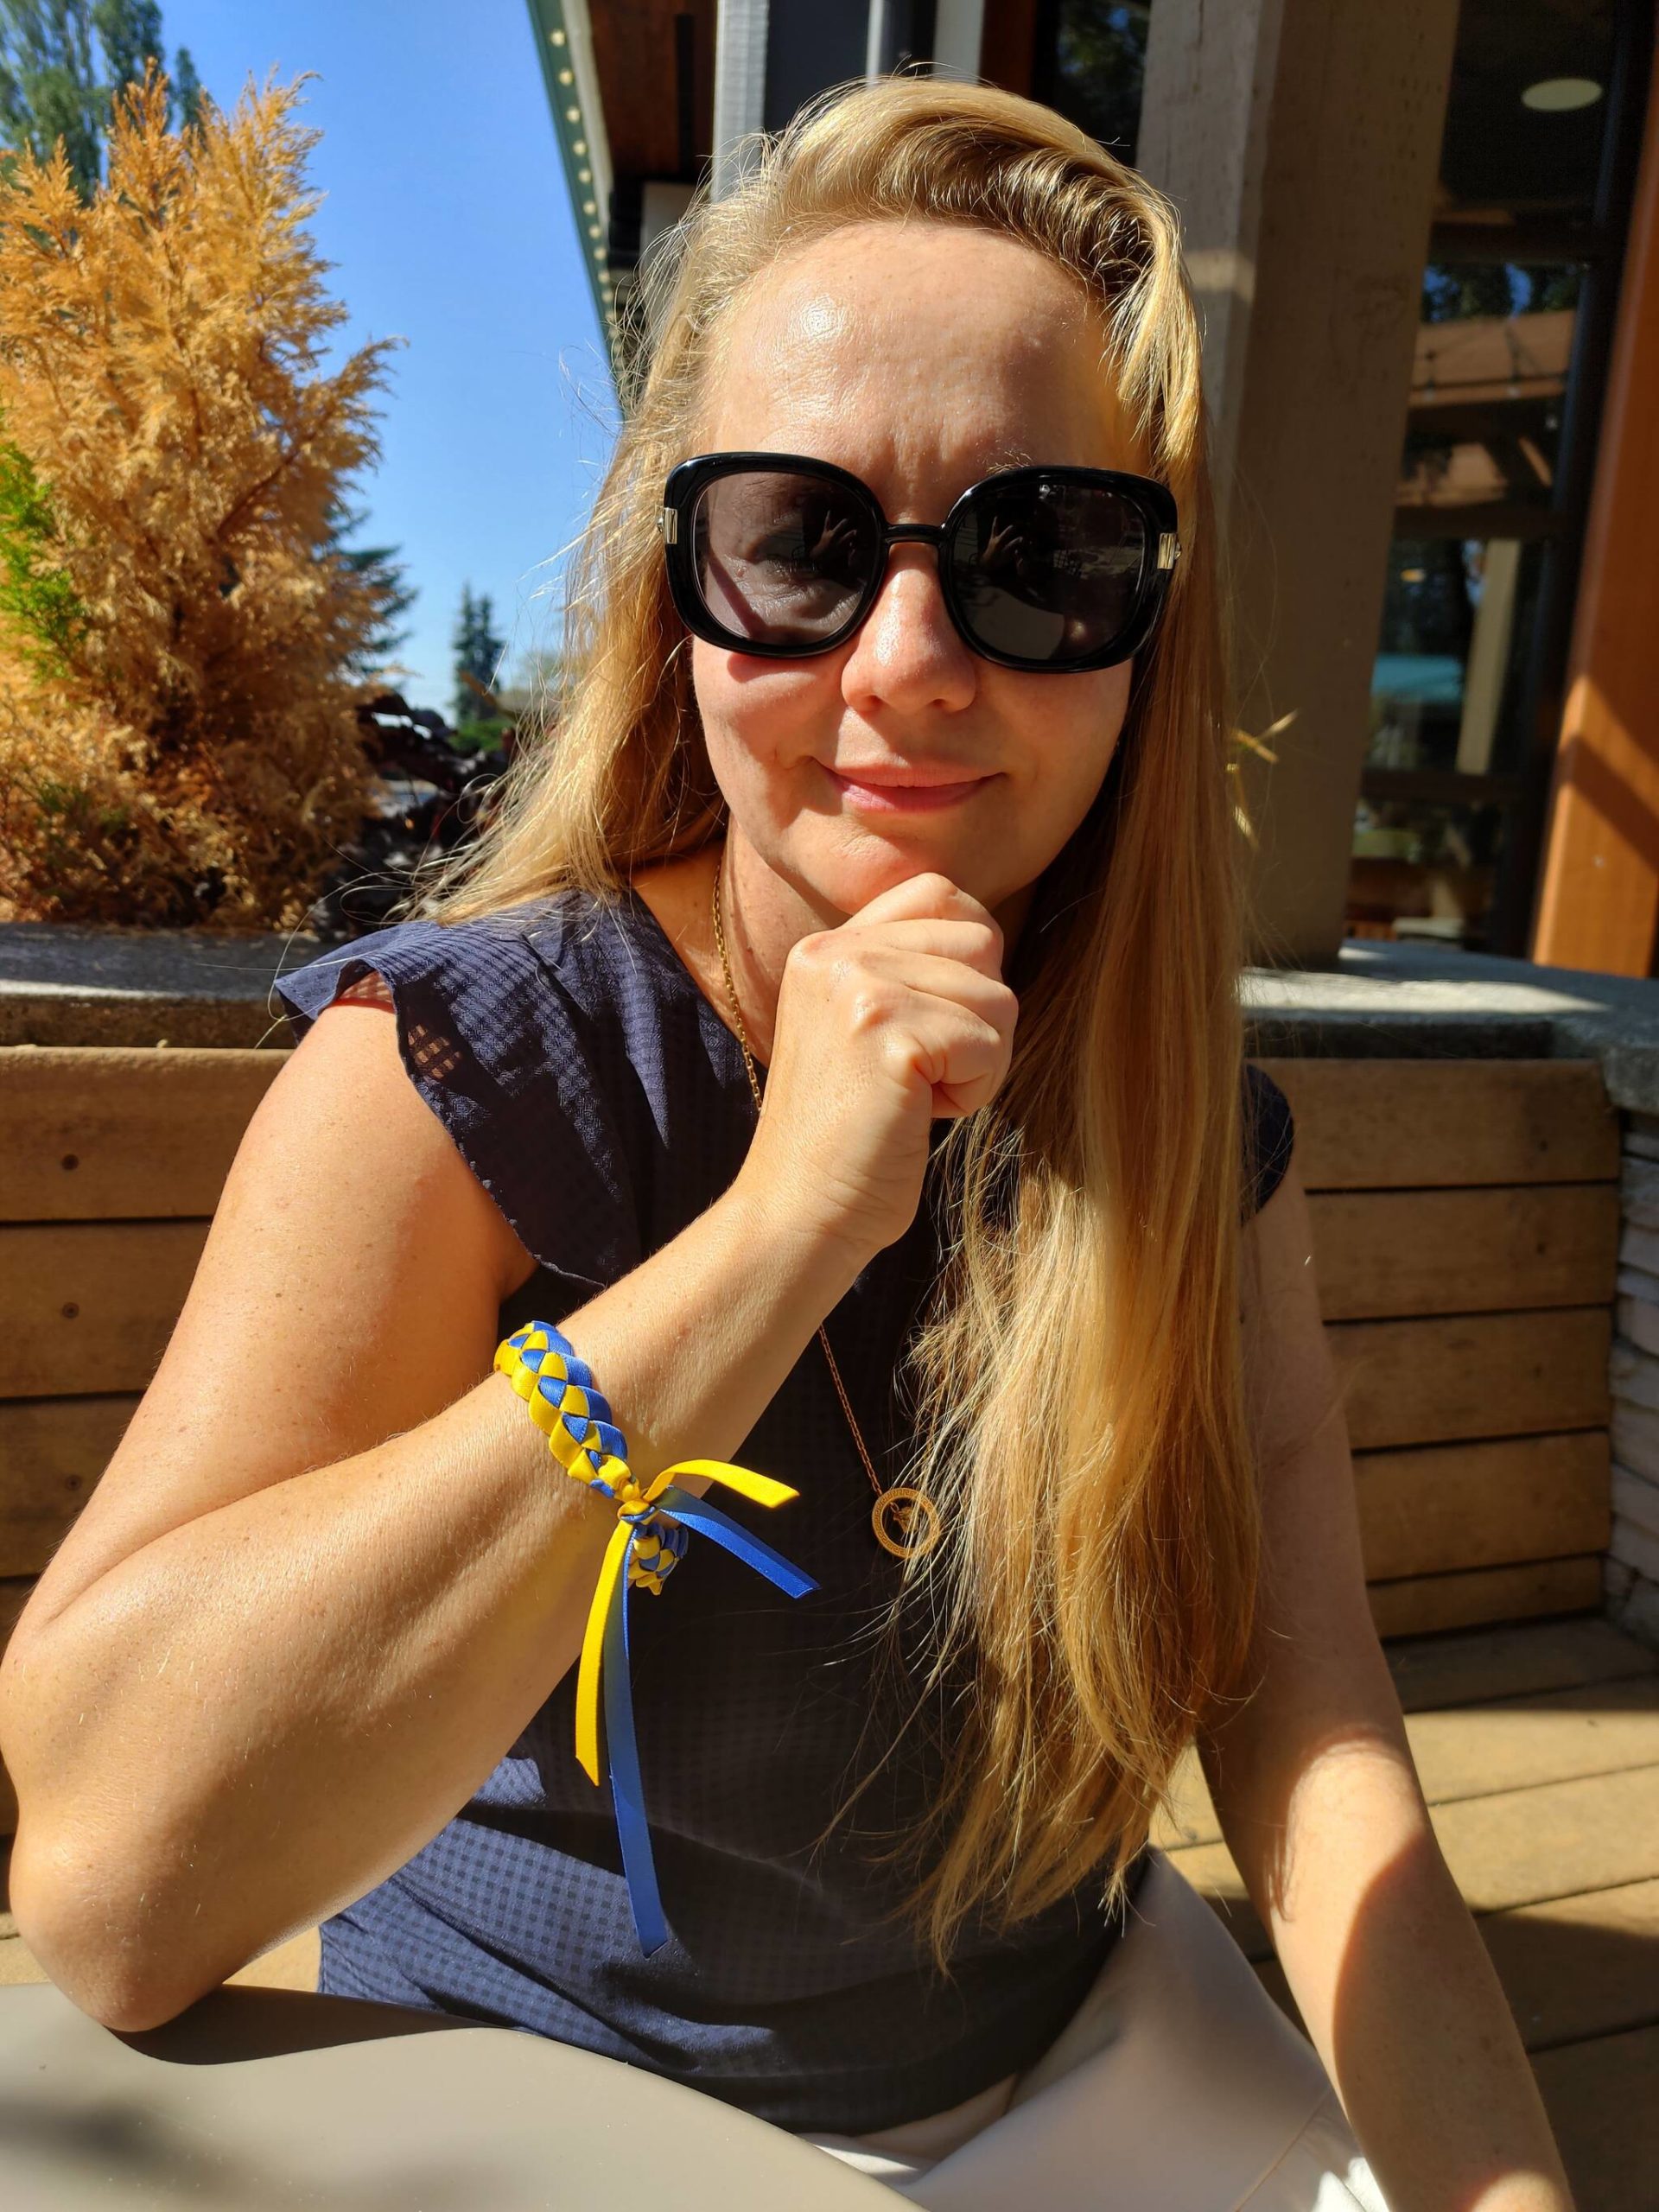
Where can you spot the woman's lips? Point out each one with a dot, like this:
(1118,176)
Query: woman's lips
(904,798)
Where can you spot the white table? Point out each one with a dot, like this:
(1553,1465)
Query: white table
(257,2099)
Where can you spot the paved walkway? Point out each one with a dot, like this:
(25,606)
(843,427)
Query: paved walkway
(1538,1751)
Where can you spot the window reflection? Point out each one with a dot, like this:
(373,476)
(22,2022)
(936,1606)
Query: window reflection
(1423,870)
(1444,690)
(1492,473)
(1090,63)
(1488,384)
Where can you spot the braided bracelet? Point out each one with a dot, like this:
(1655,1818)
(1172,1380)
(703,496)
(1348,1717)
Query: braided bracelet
(647,1543)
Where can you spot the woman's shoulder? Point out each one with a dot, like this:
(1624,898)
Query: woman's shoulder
(523,1029)
(496,967)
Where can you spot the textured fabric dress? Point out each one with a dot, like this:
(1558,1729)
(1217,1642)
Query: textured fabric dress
(598,1098)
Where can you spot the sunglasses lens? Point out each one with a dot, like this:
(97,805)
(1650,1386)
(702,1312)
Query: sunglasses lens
(1047,569)
(782,559)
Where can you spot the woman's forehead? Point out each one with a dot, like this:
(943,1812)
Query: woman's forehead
(917,340)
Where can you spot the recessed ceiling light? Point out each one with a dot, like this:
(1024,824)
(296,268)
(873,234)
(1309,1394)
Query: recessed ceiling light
(1558,95)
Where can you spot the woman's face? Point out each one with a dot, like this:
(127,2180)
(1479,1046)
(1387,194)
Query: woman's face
(922,357)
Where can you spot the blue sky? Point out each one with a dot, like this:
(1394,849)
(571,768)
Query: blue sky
(446,217)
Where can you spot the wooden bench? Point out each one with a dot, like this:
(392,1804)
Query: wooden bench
(1465,1218)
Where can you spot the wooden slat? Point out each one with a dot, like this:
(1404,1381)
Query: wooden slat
(1383,1253)
(89,1306)
(1441,1507)
(93,1133)
(1522,1846)
(52,1452)
(1477,1666)
(1478,1375)
(14,1595)
(1424,1603)
(1579,1966)
(1572,1968)
(1383,1125)
(1602,2103)
(1515,1745)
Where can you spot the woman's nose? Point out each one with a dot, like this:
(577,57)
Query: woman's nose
(906,653)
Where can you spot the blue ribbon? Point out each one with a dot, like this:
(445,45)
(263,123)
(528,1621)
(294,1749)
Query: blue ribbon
(621,1743)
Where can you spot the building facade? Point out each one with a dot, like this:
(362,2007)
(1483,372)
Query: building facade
(1425,240)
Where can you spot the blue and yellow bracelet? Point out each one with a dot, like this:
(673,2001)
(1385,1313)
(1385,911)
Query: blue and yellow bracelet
(647,1543)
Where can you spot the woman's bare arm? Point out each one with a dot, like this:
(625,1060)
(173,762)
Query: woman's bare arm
(333,1570)
(1320,1802)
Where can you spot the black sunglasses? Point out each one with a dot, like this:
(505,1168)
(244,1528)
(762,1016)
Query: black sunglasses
(1059,570)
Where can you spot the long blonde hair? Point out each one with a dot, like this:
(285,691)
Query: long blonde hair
(1077,1381)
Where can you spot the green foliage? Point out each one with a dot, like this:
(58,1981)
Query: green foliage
(51,85)
(40,607)
(1455,291)
(380,565)
(478,652)
(488,735)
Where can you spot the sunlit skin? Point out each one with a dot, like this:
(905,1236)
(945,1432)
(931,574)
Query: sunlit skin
(922,357)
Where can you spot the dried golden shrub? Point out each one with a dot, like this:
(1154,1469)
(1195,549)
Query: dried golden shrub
(177,742)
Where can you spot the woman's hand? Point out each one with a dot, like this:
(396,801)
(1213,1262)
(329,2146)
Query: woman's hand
(897,1019)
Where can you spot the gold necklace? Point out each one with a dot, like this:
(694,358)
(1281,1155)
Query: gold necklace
(905,1520)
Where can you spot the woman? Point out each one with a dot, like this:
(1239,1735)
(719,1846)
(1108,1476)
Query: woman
(930,825)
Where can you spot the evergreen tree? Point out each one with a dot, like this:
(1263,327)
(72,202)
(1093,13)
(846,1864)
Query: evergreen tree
(382,566)
(478,657)
(51,85)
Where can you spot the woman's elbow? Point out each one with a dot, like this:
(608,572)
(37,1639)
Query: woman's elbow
(121,1964)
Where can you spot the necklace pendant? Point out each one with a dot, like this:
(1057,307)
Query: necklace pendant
(906,1522)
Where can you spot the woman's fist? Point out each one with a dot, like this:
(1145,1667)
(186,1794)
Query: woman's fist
(895,1019)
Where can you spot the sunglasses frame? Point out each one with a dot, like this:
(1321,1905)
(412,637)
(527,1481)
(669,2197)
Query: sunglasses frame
(686,483)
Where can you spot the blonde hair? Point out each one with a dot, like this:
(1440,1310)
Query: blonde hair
(1077,1381)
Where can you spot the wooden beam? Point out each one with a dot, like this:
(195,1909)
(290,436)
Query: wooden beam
(88,1305)
(1599,894)
(1007,44)
(1459,1377)
(1375,1125)
(53,1452)
(1385,1253)
(110,1133)
(1425,1603)
(1453,1506)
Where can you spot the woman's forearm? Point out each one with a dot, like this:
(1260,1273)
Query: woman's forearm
(1399,1995)
(254,1717)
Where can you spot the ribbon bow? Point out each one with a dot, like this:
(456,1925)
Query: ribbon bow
(648,1542)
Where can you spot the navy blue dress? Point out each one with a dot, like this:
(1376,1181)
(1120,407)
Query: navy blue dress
(598,1097)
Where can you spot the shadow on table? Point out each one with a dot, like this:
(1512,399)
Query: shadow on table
(228,2025)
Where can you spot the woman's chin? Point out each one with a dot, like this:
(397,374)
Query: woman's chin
(880,861)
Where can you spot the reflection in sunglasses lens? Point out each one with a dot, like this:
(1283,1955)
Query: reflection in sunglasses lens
(1048,570)
(779,558)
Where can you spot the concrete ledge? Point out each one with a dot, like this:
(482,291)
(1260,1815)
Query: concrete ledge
(64,984)
(74,985)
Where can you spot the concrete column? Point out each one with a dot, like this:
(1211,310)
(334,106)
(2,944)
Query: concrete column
(1300,141)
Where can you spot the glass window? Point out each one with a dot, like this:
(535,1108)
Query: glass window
(1489,382)
(1089,61)
(1447,684)
(1423,869)
(1492,475)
